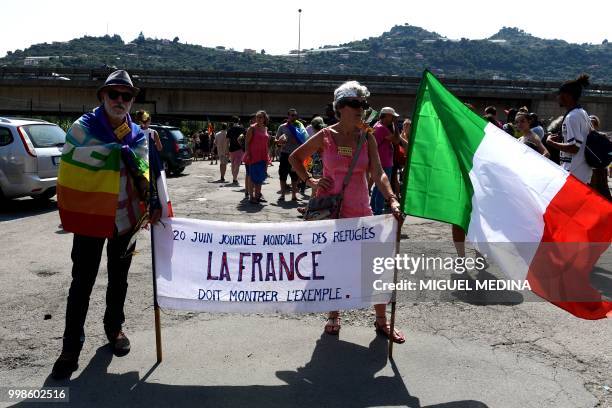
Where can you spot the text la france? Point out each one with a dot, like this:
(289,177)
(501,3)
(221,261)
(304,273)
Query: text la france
(258,266)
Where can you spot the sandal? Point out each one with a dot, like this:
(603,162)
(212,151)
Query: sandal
(332,327)
(261,199)
(398,336)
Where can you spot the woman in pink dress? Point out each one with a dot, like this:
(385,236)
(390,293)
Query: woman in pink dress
(337,144)
(256,157)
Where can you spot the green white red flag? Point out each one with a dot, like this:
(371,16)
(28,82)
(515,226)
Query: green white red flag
(534,219)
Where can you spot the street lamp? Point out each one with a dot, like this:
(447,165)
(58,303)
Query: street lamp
(299,37)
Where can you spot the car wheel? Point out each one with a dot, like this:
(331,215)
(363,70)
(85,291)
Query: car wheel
(177,171)
(3,199)
(45,197)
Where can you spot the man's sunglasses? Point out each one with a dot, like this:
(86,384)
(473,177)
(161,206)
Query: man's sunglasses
(126,96)
(354,103)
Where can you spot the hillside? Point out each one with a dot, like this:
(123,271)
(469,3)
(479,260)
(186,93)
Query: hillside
(404,50)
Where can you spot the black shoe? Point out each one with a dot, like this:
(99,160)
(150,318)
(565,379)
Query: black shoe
(118,342)
(66,364)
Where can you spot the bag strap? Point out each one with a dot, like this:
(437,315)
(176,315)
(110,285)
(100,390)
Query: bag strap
(347,178)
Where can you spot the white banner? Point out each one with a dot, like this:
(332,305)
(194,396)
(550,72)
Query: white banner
(271,267)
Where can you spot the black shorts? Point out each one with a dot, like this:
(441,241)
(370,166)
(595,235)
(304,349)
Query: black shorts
(284,169)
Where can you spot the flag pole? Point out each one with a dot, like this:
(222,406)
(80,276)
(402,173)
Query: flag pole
(158,344)
(398,236)
(402,189)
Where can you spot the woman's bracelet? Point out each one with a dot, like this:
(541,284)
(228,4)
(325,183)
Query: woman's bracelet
(392,196)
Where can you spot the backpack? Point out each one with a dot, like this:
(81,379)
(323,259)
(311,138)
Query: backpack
(598,150)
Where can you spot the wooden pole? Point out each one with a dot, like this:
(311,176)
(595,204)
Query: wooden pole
(158,343)
(398,236)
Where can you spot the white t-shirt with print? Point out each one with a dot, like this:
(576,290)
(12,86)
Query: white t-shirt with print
(221,142)
(574,130)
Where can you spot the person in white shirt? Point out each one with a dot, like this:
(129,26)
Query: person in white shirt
(222,145)
(574,130)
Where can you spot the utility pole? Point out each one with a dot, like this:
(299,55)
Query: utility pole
(299,37)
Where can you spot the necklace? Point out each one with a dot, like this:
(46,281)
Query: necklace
(346,151)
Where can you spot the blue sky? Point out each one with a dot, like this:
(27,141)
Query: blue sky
(272,25)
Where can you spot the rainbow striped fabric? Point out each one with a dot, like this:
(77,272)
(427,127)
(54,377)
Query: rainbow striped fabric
(95,194)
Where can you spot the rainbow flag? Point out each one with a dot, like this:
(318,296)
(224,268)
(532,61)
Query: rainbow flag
(90,173)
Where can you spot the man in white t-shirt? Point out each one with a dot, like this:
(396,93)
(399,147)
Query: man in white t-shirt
(576,126)
(222,145)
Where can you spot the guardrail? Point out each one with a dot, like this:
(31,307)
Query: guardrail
(170,77)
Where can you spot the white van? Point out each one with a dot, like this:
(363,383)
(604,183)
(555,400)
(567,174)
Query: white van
(30,151)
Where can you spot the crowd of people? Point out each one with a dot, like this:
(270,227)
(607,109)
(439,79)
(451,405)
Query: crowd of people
(563,145)
(561,139)
(337,154)
(251,145)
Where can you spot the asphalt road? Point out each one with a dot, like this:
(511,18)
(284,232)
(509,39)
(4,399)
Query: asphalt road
(462,351)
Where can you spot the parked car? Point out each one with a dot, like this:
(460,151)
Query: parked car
(30,151)
(175,154)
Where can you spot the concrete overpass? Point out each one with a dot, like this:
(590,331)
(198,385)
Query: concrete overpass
(197,95)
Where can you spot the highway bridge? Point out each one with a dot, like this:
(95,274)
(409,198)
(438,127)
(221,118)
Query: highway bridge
(198,95)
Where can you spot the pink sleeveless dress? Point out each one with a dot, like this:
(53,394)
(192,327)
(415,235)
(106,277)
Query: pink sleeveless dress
(257,150)
(356,202)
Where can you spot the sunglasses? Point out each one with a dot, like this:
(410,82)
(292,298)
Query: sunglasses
(354,103)
(126,96)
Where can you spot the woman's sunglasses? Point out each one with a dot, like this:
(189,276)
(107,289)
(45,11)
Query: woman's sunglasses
(354,103)
(126,96)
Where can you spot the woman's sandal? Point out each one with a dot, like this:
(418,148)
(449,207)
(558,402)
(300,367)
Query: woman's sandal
(332,327)
(398,336)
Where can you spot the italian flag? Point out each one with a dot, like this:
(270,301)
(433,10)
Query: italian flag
(534,219)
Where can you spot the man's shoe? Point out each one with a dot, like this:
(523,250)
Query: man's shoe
(66,364)
(119,343)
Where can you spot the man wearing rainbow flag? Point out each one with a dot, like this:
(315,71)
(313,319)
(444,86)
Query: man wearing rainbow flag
(103,190)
